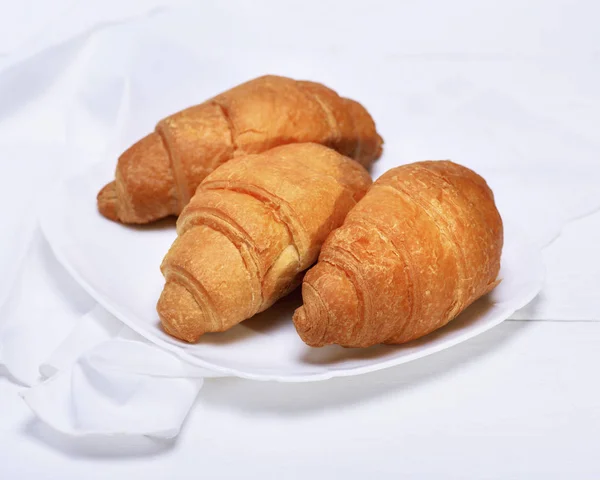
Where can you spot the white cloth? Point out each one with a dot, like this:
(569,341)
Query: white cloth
(96,375)
(105,379)
(29,27)
(117,386)
(43,306)
(104,90)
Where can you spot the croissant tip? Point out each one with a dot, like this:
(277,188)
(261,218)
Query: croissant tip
(305,328)
(180,315)
(107,201)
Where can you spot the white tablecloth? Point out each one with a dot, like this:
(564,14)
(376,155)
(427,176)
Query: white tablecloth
(520,401)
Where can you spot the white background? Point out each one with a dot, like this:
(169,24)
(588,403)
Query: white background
(520,401)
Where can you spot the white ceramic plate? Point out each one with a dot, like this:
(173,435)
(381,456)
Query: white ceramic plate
(119,267)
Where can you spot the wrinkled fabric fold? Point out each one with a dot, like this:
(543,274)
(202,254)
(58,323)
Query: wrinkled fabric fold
(106,380)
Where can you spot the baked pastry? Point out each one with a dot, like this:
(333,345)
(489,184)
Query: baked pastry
(252,228)
(421,246)
(158,175)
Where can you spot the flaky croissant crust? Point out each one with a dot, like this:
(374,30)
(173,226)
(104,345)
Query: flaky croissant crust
(422,245)
(158,175)
(252,228)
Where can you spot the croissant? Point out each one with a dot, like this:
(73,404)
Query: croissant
(248,233)
(157,176)
(422,245)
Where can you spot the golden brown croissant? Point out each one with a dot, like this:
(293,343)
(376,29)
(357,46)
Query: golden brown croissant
(157,176)
(422,245)
(250,230)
